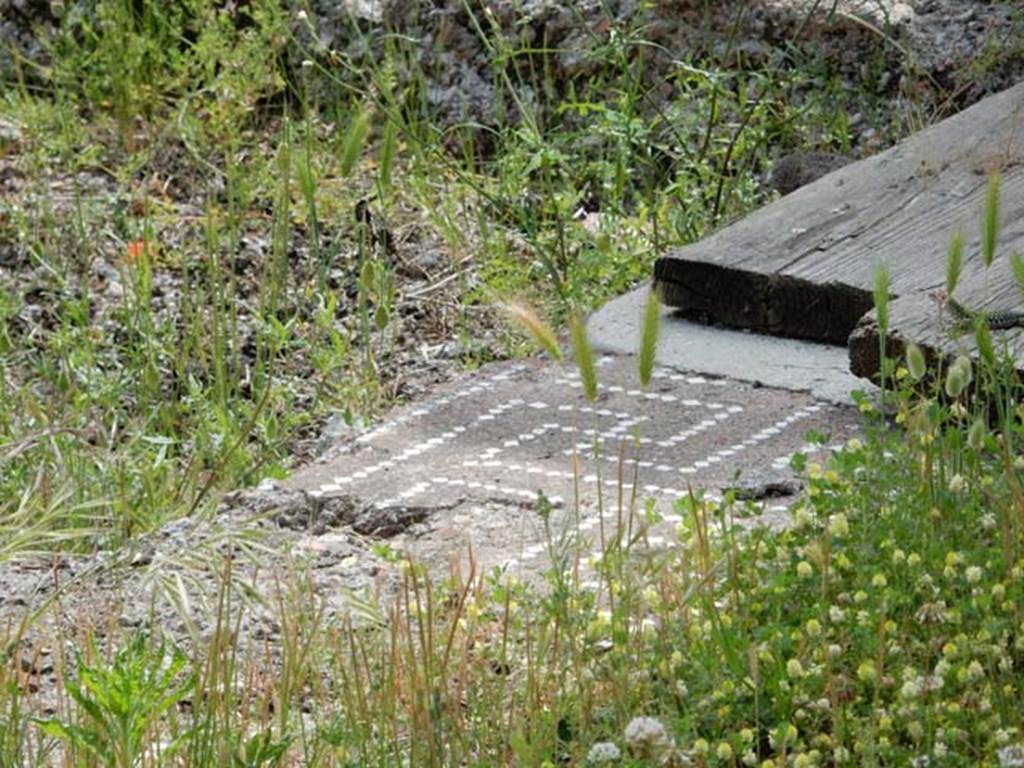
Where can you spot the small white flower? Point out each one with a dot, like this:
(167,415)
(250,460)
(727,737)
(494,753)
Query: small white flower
(975,671)
(911,688)
(973,574)
(647,737)
(603,752)
(302,16)
(838,525)
(1011,756)
(957,483)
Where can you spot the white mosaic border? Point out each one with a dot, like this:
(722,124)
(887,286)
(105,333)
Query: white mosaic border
(625,421)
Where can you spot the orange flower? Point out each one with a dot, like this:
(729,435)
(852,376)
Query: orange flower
(136,249)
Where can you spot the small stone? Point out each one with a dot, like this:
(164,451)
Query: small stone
(10,133)
(801,168)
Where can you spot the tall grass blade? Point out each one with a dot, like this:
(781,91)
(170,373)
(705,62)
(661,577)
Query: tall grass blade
(537,328)
(1017,262)
(584,357)
(955,261)
(986,349)
(387,154)
(352,147)
(649,338)
(990,224)
(881,296)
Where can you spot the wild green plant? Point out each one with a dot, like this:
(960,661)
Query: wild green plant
(120,704)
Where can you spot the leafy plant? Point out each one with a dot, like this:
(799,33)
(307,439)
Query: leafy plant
(121,704)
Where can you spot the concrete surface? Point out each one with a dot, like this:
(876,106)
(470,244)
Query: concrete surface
(464,468)
(818,369)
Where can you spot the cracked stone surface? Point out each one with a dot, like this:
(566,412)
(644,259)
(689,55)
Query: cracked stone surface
(464,469)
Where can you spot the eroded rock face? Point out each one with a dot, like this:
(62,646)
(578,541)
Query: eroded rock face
(293,509)
(24,27)
(941,38)
(968,47)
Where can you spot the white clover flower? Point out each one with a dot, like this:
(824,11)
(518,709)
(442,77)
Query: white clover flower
(804,570)
(957,484)
(794,669)
(1011,756)
(911,688)
(931,683)
(973,574)
(838,525)
(802,518)
(647,737)
(603,752)
(975,671)
(302,16)
(836,614)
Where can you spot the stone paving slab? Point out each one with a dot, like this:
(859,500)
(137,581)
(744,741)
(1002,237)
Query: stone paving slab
(822,370)
(465,467)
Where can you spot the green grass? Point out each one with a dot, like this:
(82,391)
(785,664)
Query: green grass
(244,183)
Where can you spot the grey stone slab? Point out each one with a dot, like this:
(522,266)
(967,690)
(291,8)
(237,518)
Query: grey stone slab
(819,369)
(472,460)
